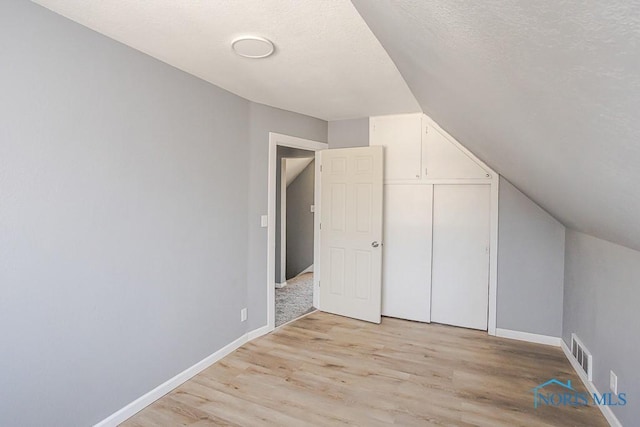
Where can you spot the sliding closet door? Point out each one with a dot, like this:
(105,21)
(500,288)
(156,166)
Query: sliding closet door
(460,269)
(406,259)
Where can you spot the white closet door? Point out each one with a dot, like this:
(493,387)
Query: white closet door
(460,270)
(406,259)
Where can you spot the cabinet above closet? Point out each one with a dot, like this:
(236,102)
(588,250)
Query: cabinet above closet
(416,151)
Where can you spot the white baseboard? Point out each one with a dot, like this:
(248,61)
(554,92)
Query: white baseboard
(591,388)
(306,270)
(257,333)
(529,337)
(147,399)
(297,318)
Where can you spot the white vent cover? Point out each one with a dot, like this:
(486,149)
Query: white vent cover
(582,355)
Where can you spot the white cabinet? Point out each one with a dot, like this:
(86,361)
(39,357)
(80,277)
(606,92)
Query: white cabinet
(401,136)
(438,225)
(417,150)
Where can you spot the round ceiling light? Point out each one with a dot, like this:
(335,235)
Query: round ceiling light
(253,47)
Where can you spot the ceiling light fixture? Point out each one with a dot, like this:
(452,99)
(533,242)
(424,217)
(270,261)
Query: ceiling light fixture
(253,47)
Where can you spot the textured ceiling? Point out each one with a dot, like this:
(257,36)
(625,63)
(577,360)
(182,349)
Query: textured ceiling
(327,64)
(547,92)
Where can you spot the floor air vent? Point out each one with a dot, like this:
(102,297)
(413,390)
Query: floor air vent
(582,355)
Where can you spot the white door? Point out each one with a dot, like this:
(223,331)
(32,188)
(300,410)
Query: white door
(460,268)
(351,232)
(406,261)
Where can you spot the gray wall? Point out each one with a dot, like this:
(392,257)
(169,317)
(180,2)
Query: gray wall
(266,119)
(280,153)
(300,221)
(530,265)
(123,220)
(349,133)
(601,300)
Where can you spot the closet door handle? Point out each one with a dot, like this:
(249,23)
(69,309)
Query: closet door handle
(375,244)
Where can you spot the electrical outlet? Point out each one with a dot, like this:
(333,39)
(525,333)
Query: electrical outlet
(243,315)
(613,382)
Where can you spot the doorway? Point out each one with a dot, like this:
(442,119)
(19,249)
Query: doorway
(285,272)
(295,184)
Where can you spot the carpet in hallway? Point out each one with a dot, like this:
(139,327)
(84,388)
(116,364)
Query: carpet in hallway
(295,299)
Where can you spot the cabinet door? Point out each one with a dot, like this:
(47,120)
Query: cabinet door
(406,258)
(442,159)
(401,136)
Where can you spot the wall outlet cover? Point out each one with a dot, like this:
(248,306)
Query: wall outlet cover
(243,315)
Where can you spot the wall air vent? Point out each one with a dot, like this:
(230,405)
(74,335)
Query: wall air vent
(582,356)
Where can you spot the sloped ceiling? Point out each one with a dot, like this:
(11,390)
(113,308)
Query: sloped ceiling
(295,166)
(327,62)
(547,92)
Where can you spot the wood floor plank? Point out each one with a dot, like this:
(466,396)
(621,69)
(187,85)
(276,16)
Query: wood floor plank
(330,370)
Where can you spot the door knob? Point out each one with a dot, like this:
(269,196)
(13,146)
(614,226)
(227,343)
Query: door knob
(375,244)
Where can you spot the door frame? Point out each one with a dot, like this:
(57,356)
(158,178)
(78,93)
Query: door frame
(283,222)
(275,140)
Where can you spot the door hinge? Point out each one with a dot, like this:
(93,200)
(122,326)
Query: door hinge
(320,226)
(426,129)
(320,168)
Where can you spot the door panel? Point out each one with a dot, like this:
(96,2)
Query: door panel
(460,270)
(406,261)
(336,268)
(351,220)
(402,135)
(442,159)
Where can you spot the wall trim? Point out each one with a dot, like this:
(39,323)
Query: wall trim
(591,388)
(275,140)
(147,399)
(257,333)
(306,270)
(529,337)
(492,318)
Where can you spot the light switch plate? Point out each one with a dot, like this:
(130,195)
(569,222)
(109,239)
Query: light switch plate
(264,222)
(313,208)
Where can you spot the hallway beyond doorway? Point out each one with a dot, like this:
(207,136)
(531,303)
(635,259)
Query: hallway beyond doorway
(295,299)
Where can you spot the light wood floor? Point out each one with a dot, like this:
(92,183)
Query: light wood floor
(330,370)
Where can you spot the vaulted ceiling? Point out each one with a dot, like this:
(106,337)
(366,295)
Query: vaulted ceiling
(327,63)
(547,92)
